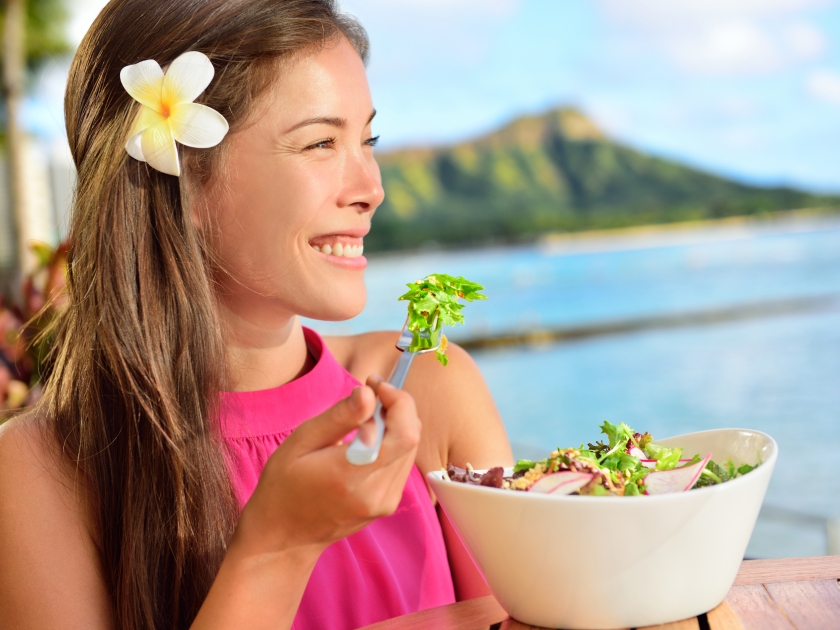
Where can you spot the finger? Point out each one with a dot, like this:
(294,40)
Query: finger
(367,432)
(373,382)
(390,395)
(336,422)
(393,473)
(403,427)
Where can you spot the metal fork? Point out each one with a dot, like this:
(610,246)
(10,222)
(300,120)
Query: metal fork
(358,452)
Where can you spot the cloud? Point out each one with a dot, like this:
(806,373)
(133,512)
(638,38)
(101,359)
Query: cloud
(668,14)
(727,48)
(805,41)
(720,37)
(825,85)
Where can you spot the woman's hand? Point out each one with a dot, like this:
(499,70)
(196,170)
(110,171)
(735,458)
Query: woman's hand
(310,495)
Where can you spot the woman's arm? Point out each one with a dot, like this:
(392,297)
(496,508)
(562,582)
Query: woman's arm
(460,424)
(50,573)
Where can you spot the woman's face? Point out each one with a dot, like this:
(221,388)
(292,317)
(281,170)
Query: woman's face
(300,188)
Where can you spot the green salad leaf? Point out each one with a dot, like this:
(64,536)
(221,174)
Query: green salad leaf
(523,464)
(617,433)
(433,302)
(666,458)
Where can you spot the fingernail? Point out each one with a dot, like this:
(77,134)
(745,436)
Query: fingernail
(377,378)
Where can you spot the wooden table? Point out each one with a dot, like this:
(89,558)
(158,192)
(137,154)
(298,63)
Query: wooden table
(786,594)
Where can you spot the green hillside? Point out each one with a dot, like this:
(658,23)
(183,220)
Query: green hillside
(548,173)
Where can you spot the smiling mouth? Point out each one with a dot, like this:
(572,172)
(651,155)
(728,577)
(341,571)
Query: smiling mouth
(338,245)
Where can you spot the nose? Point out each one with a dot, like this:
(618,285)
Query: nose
(362,183)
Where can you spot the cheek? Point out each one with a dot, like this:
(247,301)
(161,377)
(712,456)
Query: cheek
(266,216)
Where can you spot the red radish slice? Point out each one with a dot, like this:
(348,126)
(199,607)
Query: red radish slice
(651,463)
(639,454)
(560,483)
(676,479)
(635,451)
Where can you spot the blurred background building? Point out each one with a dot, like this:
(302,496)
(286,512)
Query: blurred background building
(648,189)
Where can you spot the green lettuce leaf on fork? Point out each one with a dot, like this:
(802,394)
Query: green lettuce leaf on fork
(433,302)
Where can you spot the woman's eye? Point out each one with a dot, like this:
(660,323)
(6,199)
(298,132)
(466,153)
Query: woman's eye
(371,142)
(322,144)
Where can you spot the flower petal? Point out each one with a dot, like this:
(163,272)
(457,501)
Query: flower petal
(134,146)
(144,81)
(146,117)
(186,78)
(159,149)
(197,125)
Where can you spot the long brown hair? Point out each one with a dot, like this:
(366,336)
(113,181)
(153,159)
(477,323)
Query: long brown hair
(139,354)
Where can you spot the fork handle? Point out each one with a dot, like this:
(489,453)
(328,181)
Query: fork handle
(358,452)
(401,371)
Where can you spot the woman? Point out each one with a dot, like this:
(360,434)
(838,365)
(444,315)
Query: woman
(186,465)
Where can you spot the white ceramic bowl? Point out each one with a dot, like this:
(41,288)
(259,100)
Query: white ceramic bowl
(610,562)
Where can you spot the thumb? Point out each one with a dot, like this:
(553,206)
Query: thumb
(336,422)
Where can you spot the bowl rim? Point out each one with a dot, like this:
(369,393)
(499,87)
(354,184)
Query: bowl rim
(435,476)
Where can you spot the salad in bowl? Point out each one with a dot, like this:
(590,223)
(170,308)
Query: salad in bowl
(607,536)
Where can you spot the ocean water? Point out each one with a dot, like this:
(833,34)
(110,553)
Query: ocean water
(778,374)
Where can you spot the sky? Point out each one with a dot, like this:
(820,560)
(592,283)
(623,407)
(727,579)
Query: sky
(746,88)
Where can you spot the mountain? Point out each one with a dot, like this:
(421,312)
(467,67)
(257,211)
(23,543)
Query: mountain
(552,172)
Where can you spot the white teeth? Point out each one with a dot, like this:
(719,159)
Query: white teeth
(346,251)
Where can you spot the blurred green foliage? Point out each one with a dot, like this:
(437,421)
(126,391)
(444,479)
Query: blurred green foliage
(555,172)
(46,31)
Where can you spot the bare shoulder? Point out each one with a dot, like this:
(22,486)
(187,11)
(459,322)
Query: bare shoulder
(460,420)
(50,571)
(366,354)
(30,470)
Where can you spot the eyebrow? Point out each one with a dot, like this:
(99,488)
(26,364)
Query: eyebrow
(332,121)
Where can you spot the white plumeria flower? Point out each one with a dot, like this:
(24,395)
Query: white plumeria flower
(167,111)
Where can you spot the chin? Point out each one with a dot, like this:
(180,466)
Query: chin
(342,306)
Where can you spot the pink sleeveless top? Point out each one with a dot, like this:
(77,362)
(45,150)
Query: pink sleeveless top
(394,566)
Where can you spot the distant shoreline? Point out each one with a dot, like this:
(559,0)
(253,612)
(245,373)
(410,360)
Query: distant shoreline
(679,319)
(653,235)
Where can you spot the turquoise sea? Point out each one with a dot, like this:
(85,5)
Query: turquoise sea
(779,374)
